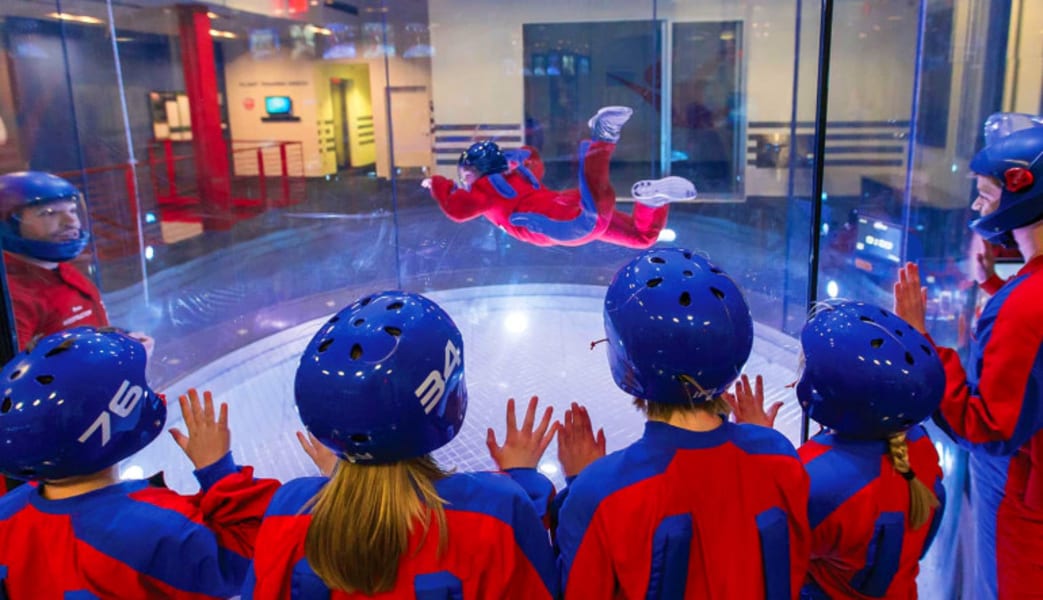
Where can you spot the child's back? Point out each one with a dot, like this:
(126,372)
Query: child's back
(862,546)
(496,546)
(686,514)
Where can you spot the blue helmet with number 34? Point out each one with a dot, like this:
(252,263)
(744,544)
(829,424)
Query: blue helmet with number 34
(74,404)
(383,379)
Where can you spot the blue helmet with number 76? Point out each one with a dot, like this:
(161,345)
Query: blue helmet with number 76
(383,380)
(76,403)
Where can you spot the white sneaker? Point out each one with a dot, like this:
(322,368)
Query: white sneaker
(607,123)
(657,192)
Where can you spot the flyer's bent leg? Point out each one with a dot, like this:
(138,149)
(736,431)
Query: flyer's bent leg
(640,230)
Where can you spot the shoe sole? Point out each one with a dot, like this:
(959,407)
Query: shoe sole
(629,112)
(672,188)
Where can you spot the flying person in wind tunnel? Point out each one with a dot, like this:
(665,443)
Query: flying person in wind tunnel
(876,487)
(73,406)
(698,507)
(42,230)
(995,409)
(381,384)
(507,189)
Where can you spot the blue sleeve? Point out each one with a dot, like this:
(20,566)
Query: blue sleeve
(211,474)
(539,489)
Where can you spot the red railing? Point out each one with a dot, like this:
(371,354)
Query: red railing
(265,175)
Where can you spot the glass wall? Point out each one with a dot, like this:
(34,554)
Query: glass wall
(250,167)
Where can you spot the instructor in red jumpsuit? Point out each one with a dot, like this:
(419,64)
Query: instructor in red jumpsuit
(511,194)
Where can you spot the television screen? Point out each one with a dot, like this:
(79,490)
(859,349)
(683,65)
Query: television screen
(278,105)
(878,240)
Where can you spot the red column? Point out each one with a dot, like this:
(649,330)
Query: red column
(208,142)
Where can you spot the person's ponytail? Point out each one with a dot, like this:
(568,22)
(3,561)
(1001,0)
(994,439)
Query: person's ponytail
(921,499)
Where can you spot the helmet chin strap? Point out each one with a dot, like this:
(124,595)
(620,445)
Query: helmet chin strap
(46,251)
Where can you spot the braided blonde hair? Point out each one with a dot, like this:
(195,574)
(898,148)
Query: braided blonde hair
(921,499)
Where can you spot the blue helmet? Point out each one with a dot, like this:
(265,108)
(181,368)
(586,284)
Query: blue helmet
(867,373)
(485,157)
(679,329)
(33,188)
(1014,146)
(383,379)
(76,403)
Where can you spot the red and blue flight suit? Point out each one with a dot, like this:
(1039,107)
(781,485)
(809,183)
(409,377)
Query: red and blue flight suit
(680,513)
(516,200)
(870,378)
(995,407)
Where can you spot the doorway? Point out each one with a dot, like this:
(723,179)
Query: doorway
(340,89)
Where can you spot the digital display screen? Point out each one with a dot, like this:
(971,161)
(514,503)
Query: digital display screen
(878,240)
(278,105)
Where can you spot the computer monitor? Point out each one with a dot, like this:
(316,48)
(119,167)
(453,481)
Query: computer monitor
(278,105)
(279,108)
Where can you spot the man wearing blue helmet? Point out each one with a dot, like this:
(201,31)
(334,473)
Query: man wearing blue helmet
(71,408)
(698,507)
(41,231)
(381,385)
(995,408)
(508,191)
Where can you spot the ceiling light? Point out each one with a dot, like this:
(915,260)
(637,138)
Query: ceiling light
(223,34)
(76,18)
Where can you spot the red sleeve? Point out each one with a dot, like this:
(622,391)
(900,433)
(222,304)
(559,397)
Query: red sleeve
(457,204)
(996,412)
(232,508)
(25,319)
(799,529)
(992,285)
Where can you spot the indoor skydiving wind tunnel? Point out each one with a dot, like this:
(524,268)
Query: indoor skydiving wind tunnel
(249,167)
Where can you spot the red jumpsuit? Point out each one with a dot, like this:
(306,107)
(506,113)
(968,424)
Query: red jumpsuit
(861,543)
(714,515)
(46,301)
(497,545)
(587,213)
(132,541)
(995,410)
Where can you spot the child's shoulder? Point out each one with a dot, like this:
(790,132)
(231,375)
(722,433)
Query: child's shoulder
(295,494)
(755,439)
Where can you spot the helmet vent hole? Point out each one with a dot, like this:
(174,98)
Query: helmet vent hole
(334,319)
(884,312)
(716,271)
(358,322)
(359,438)
(366,301)
(356,352)
(687,273)
(395,305)
(866,319)
(5,407)
(685,299)
(688,255)
(899,332)
(45,379)
(657,260)
(325,345)
(16,374)
(909,358)
(926,350)
(876,342)
(718,293)
(62,347)
(654,282)
(395,331)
